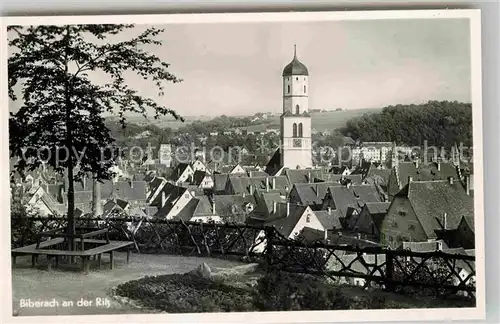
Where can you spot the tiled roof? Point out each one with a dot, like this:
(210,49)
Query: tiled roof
(355,179)
(376,173)
(274,163)
(333,238)
(285,224)
(130,190)
(353,196)
(220,181)
(242,185)
(424,172)
(470,221)
(155,185)
(54,190)
(377,208)
(257,174)
(171,198)
(203,207)
(302,176)
(329,219)
(83,197)
(179,169)
(431,200)
(199,176)
(233,207)
(312,193)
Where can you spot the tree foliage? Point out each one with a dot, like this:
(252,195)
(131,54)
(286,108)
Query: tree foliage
(61,118)
(440,123)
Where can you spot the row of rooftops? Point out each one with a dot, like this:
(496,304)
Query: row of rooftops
(258,194)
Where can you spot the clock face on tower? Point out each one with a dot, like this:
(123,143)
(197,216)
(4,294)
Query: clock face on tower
(297,142)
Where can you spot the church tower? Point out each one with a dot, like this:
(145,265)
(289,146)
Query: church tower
(295,121)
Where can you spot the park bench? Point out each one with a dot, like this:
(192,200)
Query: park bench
(105,246)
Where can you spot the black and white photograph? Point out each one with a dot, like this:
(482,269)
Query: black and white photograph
(278,167)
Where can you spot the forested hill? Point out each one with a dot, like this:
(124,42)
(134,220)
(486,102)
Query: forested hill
(441,123)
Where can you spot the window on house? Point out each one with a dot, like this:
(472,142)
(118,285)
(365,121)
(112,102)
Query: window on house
(300,130)
(294,130)
(186,196)
(297,109)
(402,213)
(297,78)
(288,89)
(304,89)
(308,219)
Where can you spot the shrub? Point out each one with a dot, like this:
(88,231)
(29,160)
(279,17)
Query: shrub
(182,293)
(282,291)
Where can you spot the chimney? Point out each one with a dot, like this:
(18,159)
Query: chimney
(96,197)
(444,221)
(309,176)
(339,233)
(84,182)
(359,236)
(244,194)
(450,179)
(348,184)
(250,174)
(287,209)
(274,183)
(326,234)
(131,184)
(439,165)
(410,179)
(267,184)
(251,189)
(329,210)
(191,177)
(163,199)
(416,163)
(274,206)
(213,206)
(467,185)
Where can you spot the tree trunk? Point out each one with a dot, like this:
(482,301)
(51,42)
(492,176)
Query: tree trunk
(69,144)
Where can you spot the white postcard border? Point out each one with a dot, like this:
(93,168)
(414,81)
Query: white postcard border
(478,312)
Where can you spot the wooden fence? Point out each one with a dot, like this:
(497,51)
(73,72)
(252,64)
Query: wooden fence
(396,270)
(390,269)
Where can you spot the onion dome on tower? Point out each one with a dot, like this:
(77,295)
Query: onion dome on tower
(295,67)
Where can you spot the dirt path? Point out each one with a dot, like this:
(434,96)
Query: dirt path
(60,285)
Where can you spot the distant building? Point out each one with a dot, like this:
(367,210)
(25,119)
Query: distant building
(166,154)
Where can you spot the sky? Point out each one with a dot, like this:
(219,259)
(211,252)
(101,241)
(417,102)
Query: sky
(236,68)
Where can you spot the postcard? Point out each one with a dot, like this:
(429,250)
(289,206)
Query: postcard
(243,167)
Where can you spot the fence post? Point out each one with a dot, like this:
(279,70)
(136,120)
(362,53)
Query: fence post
(269,232)
(389,270)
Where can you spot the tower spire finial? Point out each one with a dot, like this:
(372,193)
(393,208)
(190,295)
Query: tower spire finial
(294,50)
